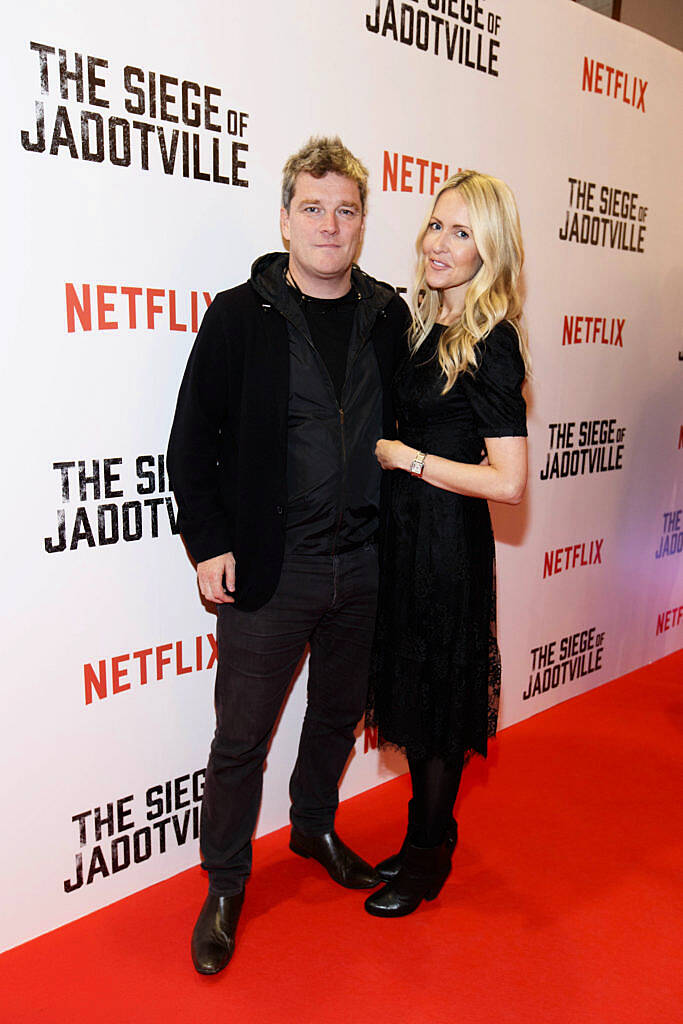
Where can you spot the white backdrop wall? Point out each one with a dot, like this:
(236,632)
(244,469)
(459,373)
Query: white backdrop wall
(126,209)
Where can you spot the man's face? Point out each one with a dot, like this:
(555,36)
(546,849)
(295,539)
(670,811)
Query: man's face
(324,226)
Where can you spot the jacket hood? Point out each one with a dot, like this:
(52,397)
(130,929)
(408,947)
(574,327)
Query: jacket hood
(268,279)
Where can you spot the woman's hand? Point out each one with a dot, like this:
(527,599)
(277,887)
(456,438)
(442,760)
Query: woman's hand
(394,454)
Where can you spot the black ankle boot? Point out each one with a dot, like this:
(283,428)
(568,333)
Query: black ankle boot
(390,867)
(421,876)
(342,865)
(213,938)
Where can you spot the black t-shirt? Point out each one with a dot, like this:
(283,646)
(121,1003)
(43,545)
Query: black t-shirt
(330,322)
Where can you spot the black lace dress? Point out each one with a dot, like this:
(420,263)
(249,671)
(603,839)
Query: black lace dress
(435,675)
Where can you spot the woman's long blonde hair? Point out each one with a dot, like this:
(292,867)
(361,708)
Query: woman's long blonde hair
(493,292)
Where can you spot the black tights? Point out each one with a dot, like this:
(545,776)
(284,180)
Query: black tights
(435,787)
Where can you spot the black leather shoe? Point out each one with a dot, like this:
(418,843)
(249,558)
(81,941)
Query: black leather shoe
(213,938)
(389,868)
(421,877)
(342,865)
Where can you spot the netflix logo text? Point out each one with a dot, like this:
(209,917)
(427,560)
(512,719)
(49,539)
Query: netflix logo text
(605,80)
(669,619)
(574,556)
(111,307)
(593,330)
(112,675)
(403,173)
(370,738)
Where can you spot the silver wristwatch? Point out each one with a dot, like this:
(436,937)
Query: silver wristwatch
(418,464)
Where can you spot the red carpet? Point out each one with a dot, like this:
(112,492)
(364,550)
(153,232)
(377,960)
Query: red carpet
(564,904)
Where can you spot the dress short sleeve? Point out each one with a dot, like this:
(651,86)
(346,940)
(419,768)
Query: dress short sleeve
(494,390)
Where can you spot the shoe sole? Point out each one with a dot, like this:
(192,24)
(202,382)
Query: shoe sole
(403,912)
(376,912)
(214,970)
(208,974)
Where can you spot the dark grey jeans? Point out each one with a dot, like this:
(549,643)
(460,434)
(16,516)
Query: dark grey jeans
(328,602)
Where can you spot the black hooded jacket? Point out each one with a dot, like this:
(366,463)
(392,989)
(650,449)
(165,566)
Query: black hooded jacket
(227,454)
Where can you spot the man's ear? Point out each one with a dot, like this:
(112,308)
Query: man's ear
(284,223)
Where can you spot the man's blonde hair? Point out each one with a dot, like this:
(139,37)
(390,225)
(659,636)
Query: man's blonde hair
(323,155)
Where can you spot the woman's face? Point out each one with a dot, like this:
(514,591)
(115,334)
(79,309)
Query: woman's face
(451,257)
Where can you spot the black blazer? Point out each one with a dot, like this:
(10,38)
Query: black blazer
(228,445)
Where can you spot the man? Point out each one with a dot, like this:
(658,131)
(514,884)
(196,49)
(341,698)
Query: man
(271,457)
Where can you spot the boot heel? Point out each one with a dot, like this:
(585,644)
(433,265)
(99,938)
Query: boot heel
(436,887)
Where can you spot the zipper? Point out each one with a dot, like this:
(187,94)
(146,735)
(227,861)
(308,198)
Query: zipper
(349,368)
(343,483)
(361,347)
(321,361)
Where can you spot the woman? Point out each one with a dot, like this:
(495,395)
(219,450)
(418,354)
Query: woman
(435,680)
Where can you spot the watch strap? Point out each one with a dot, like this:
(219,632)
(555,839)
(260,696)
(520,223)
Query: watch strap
(418,464)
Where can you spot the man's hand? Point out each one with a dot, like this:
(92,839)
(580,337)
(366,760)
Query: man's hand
(394,454)
(211,575)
